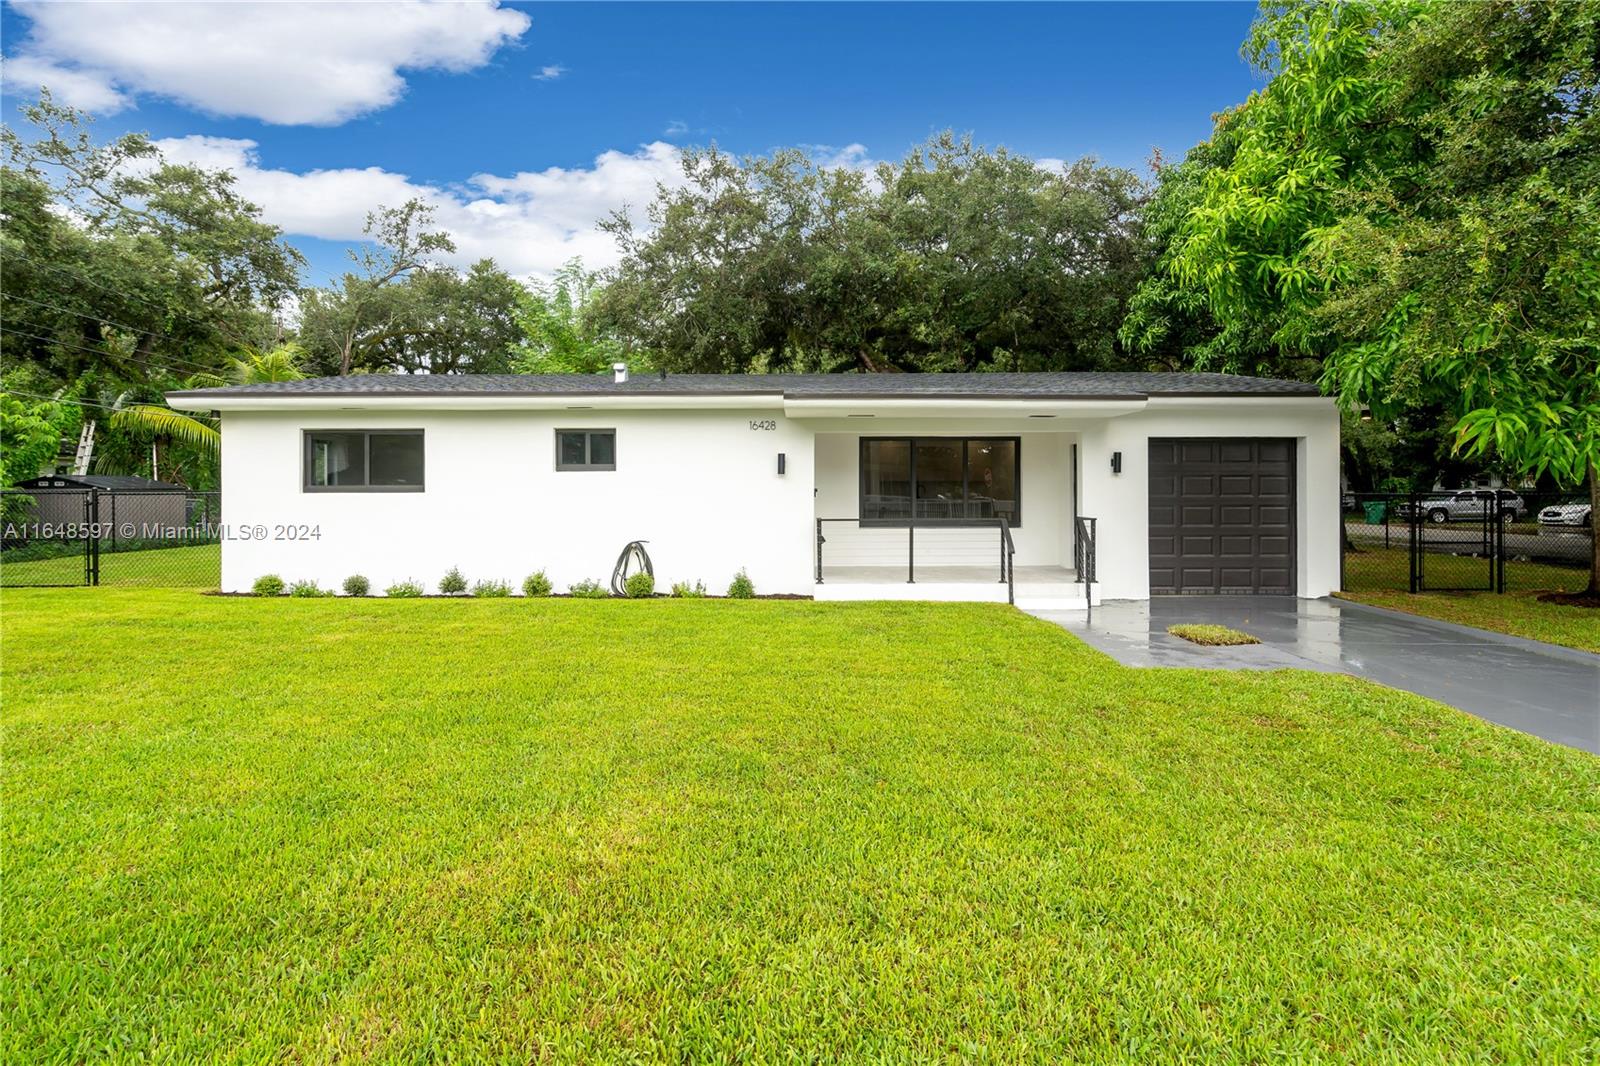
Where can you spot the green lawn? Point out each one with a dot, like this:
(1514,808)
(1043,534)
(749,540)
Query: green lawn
(1519,613)
(194,566)
(310,830)
(1379,576)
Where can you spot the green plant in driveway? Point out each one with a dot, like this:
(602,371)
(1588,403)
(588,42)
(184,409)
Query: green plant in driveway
(268,585)
(588,589)
(640,586)
(404,590)
(452,584)
(356,585)
(1211,635)
(742,587)
(491,589)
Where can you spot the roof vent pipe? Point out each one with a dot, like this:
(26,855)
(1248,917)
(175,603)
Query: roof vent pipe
(619,372)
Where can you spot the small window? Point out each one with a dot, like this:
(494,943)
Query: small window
(586,449)
(359,460)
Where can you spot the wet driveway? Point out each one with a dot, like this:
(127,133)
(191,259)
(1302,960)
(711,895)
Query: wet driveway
(1550,692)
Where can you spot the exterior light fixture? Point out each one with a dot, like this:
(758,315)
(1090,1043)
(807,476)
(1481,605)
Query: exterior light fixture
(1116,462)
(781,463)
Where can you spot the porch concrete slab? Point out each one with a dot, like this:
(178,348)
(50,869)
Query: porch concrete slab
(1537,688)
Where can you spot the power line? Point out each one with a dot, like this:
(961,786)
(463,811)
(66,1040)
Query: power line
(108,321)
(114,292)
(95,351)
(75,403)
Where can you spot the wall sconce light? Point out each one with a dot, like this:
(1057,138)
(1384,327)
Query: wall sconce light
(1116,462)
(781,463)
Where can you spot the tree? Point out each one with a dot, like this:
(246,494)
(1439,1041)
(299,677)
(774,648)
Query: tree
(363,311)
(559,335)
(1415,200)
(956,258)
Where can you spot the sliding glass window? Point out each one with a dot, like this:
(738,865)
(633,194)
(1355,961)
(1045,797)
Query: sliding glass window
(360,460)
(955,480)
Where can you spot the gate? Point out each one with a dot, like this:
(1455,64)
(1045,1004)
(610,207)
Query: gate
(75,536)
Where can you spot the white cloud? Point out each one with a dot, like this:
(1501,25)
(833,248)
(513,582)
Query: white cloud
(303,63)
(92,92)
(550,73)
(530,222)
(676,128)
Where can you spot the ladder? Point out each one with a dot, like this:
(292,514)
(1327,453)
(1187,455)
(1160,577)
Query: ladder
(80,461)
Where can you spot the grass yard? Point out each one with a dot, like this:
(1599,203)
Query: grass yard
(1378,569)
(312,830)
(1517,613)
(192,566)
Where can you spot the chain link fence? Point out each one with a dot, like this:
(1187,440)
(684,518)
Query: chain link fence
(1488,540)
(74,536)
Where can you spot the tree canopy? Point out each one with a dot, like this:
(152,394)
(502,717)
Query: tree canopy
(955,258)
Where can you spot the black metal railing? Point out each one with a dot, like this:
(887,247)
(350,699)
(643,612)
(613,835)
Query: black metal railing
(1083,556)
(1007,546)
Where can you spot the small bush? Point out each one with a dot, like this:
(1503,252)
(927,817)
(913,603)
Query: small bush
(308,590)
(453,584)
(536,584)
(742,588)
(404,590)
(589,589)
(268,585)
(491,589)
(356,585)
(684,591)
(1211,635)
(640,586)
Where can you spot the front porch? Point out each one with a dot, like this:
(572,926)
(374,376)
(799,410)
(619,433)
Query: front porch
(1043,588)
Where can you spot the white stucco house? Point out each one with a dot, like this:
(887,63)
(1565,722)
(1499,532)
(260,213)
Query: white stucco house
(907,486)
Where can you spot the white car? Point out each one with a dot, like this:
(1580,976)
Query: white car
(1577,513)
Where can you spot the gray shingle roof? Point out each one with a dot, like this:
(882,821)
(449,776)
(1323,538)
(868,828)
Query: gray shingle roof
(1052,386)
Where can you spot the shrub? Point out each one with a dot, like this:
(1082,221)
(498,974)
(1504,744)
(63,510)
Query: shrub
(742,588)
(589,589)
(268,585)
(308,590)
(536,584)
(491,589)
(404,590)
(453,584)
(356,585)
(640,586)
(684,591)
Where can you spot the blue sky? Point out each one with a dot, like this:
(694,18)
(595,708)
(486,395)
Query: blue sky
(525,122)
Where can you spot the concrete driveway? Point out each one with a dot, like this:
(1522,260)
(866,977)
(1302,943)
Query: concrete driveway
(1542,689)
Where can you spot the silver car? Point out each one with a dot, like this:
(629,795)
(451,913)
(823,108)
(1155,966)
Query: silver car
(1470,505)
(1576,513)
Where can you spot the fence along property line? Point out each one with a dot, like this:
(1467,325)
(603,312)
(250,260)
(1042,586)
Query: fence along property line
(76,536)
(1493,542)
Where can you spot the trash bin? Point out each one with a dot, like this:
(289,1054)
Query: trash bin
(1375,511)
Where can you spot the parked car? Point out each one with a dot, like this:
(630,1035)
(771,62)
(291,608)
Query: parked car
(1574,513)
(1468,505)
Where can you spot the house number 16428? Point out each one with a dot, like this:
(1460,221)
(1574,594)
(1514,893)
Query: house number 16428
(763,424)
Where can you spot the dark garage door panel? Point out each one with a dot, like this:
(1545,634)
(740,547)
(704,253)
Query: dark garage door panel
(1222,515)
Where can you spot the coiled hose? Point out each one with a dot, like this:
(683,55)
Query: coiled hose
(635,554)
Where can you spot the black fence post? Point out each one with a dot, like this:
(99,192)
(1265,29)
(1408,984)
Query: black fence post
(1413,539)
(92,545)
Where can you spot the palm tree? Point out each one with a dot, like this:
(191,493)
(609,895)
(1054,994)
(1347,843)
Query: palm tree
(160,424)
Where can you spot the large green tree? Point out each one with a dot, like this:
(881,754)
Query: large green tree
(1414,200)
(955,258)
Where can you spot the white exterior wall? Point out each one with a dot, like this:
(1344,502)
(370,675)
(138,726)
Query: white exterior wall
(1120,502)
(1043,539)
(700,486)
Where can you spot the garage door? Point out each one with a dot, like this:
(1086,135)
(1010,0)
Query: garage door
(1222,515)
